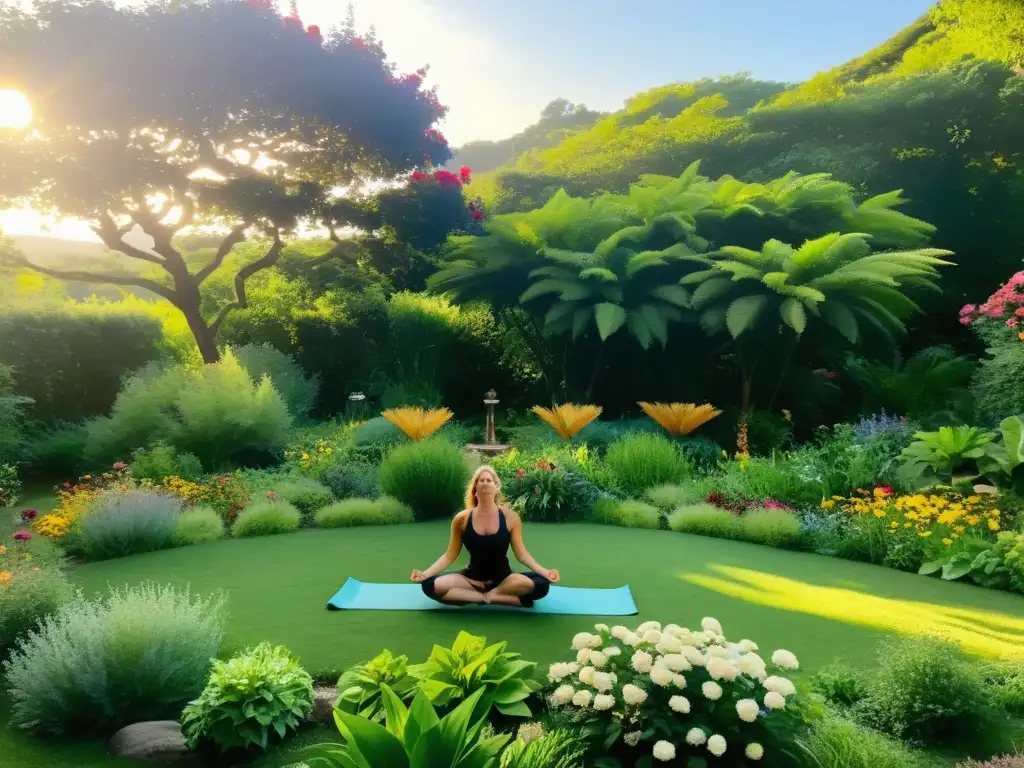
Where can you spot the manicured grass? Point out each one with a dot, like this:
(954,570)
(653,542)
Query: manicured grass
(819,608)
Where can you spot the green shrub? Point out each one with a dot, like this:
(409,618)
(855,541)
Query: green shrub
(548,493)
(671,496)
(376,437)
(771,527)
(305,493)
(198,526)
(925,690)
(12,418)
(59,452)
(296,389)
(1003,761)
(430,476)
(705,520)
(28,597)
(533,748)
(251,700)
(838,743)
(160,461)
(351,480)
(644,460)
(128,523)
(702,453)
(10,485)
(214,412)
(1007,683)
(628,514)
(996,385)
(266,518)
(137,654)
(839,684)
(350,512)
(759,479)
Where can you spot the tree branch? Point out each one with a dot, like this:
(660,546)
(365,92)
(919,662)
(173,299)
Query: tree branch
(111,235)
(242,301)
(236,236)
(88,277)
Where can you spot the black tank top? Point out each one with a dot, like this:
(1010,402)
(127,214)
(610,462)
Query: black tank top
(488,555)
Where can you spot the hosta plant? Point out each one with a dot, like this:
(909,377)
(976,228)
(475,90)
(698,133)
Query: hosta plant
(568,419)
(252,699)
(1004,462)
(947,454)
(360,686)
(668,694)
(418,423)
(413,737)
(470,665)
(680,418)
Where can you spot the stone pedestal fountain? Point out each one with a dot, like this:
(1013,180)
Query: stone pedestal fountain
(490,446)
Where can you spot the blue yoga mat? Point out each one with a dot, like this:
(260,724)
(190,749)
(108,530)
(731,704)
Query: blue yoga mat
(357,596)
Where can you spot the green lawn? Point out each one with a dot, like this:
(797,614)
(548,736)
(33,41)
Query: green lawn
(819,608)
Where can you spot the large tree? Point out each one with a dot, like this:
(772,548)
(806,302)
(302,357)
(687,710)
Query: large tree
(210,112)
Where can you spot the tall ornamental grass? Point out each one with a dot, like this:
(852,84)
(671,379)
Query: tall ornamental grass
(644,460)
(429,475)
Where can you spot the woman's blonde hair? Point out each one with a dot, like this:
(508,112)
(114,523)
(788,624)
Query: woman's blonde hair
(471,500)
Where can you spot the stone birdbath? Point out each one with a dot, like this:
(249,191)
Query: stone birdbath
(490,446)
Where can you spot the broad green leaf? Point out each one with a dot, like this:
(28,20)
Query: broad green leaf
(929,568)
(643,260)
(673,294)
(514,709)
(713,320)
(710,290)
(656,322)
(1012,428)
(696,278)
(560,311)
(511,691)
(422,718)
(739,270)
(568,290)
(454,725)
(638,327)
(839,316)
(956,570)
(580,320)
(792,313)
(743,313)
(610,317)
(599,273)
(395,712)
(371,743)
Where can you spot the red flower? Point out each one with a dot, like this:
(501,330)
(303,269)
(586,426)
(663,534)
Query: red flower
(292,21)
(67,485)
(418,175)
(120,466)
(22,536)
(478,215)
(28,514)
(465,173)
(313,31)
(435,135)
(885,490)
(447,179)
(520,473)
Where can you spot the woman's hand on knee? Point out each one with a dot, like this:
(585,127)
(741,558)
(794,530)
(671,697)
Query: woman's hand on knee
(552,575)
(418,577)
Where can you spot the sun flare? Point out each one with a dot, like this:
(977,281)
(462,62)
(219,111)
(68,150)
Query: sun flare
(15,109)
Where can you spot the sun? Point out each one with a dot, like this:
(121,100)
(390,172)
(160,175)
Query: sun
(15,109)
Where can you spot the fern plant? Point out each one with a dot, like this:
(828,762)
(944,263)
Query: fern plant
(418,423)
(680,418)
(568,419)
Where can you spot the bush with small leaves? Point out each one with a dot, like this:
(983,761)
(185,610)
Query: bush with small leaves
(704,520)
(685,494)
(128,523)
(265,518)
(351,480)
(429,475)
(839,684)
(198,526)
(771,527)
(305,493)
(28,595)
(251,700)
(351,512)
(837,743)
(93,666)
(628,514)
(160,461)
(644,460)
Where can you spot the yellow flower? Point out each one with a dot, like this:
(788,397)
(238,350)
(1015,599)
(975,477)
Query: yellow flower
(786,414)
(973,519)
(827,504)
(907,525)
(993,525)
(5,576)
(879,513)
(925,534)
(959,529)
(305,456)
(947,542)
(3,549)
(894,524)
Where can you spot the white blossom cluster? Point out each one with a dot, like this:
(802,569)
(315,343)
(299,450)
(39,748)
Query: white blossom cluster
(621,673)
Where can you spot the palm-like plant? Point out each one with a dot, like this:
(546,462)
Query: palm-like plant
(568,419)
(680,418)
(418,423)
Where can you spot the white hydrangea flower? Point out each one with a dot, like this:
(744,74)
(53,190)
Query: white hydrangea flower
(785,660)
(711,690)
(692,655)
(563,695)
(780,685)
(672,629)
(585,640)
(583,656)
(754,751)
(603,681)
(695,737)
(603,702)
(642,662)
(774,700)
(664,751)
(668,644)
(709,624)
(716,745)
(573,667)
(598,659)
(676,662)
(582,698)
(632,738)
(747,709)
(652,636)
(752,665)
(679,704)
(631,639)
(633,695)
(601,627)
(716,652)
(678,681)
(612,650)
(647,625)
(558,671)
(587,675)
(661,675)
(748,646)
(619,631)
(722,669)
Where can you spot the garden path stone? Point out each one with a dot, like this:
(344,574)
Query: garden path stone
(324,698)
(158,740)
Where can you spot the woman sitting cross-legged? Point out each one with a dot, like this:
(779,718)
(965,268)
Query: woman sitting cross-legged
(487,530)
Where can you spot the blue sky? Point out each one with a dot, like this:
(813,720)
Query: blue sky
(498,63)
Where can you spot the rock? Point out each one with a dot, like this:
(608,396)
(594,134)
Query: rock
(324,698)
(160,740)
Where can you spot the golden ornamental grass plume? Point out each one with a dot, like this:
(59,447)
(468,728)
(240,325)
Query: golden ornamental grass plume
(680,418)
(418,423)
(568,419)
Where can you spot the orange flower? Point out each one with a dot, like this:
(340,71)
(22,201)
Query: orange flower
(3,549)
(5,576)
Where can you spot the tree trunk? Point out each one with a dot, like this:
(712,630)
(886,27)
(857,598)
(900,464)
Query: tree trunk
(205,339)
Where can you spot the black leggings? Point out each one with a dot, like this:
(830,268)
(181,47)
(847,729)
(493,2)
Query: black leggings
(540,587)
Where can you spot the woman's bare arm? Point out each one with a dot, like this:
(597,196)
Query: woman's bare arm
(515,529)
(454,547)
